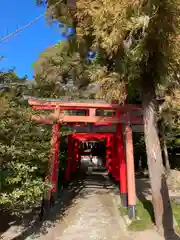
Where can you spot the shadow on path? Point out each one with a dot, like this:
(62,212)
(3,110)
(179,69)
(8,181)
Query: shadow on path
(96,182)
(143,189)
(169,232)
(55,214)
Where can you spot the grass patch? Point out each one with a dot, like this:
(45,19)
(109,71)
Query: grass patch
(123,211)
(145,216)
(176,213)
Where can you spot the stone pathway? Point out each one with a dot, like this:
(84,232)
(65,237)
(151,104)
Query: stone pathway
(92,216)
(87,211)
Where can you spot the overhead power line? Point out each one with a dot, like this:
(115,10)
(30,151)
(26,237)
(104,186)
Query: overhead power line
(20,29)
(27,25)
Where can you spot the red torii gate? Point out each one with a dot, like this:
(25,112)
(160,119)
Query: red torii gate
(119,155)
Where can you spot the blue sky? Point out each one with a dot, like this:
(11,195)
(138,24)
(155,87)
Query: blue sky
(22,50)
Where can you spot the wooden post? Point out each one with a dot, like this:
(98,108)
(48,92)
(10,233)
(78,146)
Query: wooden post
(52,177)
(75,154)
(69,160)
(122,162)
(79,155)
(114,158)
(122,166)
(108,154)
(55,156)
(130,173)
(117,162)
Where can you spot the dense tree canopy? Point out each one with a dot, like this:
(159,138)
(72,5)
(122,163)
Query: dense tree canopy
(125,44)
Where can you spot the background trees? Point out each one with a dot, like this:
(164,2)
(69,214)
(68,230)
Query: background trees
(60,71)
(24,148)
(25,145)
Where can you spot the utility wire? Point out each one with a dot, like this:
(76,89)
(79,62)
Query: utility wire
(20,29)
(27,25)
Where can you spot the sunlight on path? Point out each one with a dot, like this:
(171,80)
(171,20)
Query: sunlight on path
(92,221)
(92,217)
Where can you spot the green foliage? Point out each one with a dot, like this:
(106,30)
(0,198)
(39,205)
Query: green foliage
(10,82)
(176,212)
(135,40)
(140,155)
(24,153)
(170,114)
(24,146)
(11,77)
(60,71)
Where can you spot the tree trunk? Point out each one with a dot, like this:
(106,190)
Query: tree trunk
(164,146)
(160,195)
(165,155)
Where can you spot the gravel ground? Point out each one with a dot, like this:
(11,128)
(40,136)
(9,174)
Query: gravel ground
(87,210)
(92,216)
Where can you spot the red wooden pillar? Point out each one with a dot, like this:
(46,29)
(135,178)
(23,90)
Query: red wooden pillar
(122,165)
(117,163)
(53,166)
(130,173)
(75,155)
(117,160)
(108,154)
(79,155)
(114,158)
(55,143)
(69,160)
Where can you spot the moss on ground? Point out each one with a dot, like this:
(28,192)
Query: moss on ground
(123,211)
(176,213)
(144,211)
(145,216)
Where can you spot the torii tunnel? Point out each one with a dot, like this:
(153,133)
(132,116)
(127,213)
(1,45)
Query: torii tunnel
(115,129)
